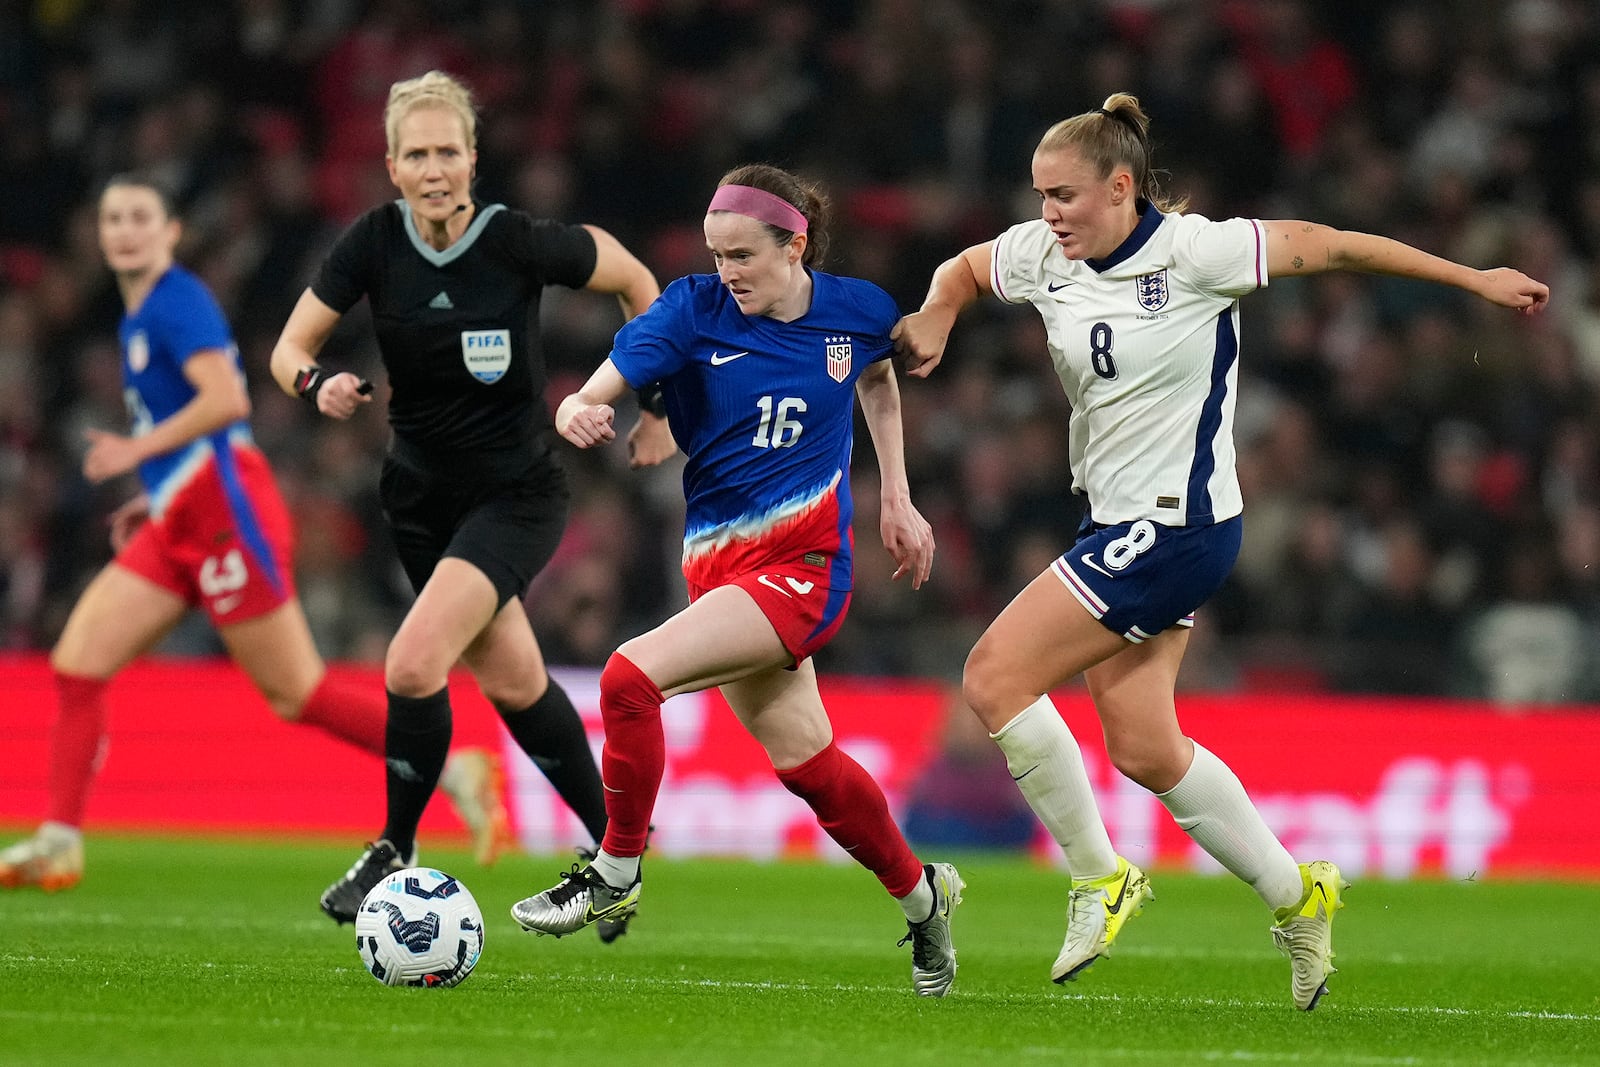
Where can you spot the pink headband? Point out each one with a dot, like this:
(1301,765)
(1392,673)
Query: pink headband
(760,205)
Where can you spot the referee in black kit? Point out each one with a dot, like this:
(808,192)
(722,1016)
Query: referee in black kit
(474,498)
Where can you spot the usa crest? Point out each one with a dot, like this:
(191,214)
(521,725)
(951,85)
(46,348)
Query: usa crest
(839,351)
(138,352)
(1152,289)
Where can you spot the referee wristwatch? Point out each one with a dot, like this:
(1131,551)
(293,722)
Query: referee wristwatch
(307,381)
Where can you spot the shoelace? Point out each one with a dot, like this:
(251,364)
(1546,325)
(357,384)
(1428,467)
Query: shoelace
(573,882)
(1083,921)
(921,947)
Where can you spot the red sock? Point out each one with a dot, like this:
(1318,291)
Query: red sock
(355,714)
(854,812)
(634,757)
(76,747)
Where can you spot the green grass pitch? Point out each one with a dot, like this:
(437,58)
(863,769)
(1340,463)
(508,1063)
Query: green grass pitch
(201,951)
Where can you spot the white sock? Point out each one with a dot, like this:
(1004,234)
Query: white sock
(918,904)
(60,831)
(1213,809)
(617,871)
(1047,765)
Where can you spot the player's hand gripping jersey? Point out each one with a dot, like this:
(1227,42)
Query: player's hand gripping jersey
(1146,343)
(764,410)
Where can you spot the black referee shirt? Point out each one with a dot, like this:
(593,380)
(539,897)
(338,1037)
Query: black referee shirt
(459,329)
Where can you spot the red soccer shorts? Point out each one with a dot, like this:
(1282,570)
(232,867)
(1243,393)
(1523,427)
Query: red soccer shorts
(805,612)
(226,545)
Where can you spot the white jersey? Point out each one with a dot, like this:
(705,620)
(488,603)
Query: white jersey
(1146,344)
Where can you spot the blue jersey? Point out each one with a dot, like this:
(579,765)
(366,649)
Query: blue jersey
(179,318)
(764,410)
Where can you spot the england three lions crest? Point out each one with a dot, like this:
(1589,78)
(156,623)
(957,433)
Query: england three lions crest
(839,349)
(1152,290)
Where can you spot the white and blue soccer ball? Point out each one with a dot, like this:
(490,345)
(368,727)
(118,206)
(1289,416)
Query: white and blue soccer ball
(419,927)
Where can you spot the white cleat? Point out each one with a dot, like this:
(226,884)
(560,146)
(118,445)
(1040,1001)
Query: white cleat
(1097,910)
(51,859)
(1304,932)
(476,786)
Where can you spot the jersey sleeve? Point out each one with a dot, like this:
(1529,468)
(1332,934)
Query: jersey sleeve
(1228,258)
(1017,270)
(552,253)
(346,274)
(655,345)
(192,321)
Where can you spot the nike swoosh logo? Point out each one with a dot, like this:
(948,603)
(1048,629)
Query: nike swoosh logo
(719,360)
(1322,891)
(1114,906)
(770,584)
(1024,774)
(1088,562)
(1053,286)
(228,603)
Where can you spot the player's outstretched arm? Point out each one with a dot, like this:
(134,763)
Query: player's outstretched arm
(585,418)
(920,337)
(1297,247)
(906,534)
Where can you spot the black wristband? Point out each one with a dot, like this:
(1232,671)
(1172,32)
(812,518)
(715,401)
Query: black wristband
(307,382)
(652,399)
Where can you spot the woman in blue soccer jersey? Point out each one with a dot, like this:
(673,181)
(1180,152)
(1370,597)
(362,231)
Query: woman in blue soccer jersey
(760,366)
(1140,303)
(209,530)
(474,497)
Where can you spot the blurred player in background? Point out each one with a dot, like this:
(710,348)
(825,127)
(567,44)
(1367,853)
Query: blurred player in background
(1140,303)
(759,367)
(474,498)
(209,529)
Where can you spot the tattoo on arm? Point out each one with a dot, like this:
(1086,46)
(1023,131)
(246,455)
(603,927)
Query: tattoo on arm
(1298,262)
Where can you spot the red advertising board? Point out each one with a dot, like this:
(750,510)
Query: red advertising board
(1390,787)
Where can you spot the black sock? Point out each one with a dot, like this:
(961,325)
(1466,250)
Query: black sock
(552,735)
(416,742)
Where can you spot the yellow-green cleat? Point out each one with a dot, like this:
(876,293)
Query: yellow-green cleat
(1304,932)
(1097,910)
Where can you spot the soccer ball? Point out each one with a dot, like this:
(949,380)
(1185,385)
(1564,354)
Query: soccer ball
(419,927)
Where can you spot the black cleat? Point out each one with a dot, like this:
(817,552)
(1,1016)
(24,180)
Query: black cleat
(341,900)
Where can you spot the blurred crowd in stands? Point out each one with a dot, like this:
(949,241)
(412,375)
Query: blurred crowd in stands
(1421,471)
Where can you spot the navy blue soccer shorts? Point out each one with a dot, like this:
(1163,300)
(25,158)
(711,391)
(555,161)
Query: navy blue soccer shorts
(1139,578)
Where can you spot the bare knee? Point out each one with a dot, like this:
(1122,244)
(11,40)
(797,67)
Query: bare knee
(991,695)
(406,676)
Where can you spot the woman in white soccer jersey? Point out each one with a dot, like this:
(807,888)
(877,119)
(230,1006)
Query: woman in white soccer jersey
(1140,303)
(760,367)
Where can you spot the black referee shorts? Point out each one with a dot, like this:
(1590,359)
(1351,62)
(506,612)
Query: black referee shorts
(508,528)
